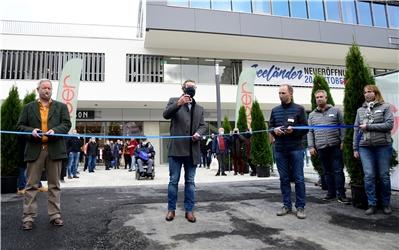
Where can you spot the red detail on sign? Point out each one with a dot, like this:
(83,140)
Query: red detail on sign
(68,94)
(246,100)
(396,119)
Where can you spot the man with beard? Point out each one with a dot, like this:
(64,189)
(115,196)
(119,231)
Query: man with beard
(289,150)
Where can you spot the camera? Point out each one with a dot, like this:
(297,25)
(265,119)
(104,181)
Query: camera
(235,131)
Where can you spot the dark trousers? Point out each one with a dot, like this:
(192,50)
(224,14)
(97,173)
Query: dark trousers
(237,160)
(64,168)
(253,167)
(222,161)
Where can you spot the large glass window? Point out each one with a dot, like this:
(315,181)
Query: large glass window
(280,8)
(349,12)
(316,9)
(172,70)
(380,15)
(393,16)
(200,4)
(261,6)
(221,4)
(298,9)
(206,71)
(333,10)
(364,13)
(189,69)
(242,5)
(178,2)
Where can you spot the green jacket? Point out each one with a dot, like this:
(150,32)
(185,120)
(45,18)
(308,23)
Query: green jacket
(58,120)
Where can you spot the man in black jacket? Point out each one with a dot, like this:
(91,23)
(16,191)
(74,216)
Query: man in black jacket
(73,150)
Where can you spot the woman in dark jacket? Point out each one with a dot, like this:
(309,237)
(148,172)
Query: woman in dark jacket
(107,155)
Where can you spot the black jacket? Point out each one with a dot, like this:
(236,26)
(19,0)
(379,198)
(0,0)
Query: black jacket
(73,144)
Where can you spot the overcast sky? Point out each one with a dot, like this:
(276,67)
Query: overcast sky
(115,12)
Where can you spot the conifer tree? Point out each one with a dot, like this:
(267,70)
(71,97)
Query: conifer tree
(357,76)
(242,126)
(226,125)
(319,83)
(10,111)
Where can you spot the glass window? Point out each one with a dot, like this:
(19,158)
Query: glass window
(380,15)
(393,16)
(172,68)
(261,6)
(242,5)
(298,9)
(316,10)
(178,2)
(221,5)
(200,4)
(206,71)
(364,13)
(189,69)
(349,12)
(333,11)
(280,8)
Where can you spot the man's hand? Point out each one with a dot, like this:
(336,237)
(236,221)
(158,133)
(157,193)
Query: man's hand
(35,133)
(196,137)
(288,130)
(183,100)
(278,131)
(356,154)
(312,151)
(363,127)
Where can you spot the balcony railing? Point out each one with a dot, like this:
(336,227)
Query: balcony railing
(70,30)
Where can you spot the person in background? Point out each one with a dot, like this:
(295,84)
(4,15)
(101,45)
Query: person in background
(118,147)
(148,149)
(133,144)
(375,120)
(73,149)
(43,150)
(248,135)
(203,152)
(126,155)
(305,149)
(236,141)
(220,149)
(92,154)
(209,152)
(186,119)
(107,155)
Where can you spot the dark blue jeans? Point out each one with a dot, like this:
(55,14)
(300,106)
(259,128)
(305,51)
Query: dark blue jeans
(92,162)
(376,161)
(73,159)
(175,165)
(332,162)
(294,159)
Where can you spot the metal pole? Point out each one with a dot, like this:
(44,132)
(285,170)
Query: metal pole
(218,108)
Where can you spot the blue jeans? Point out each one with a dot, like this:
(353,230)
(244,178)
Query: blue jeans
(283,161)
(22,179)
(376,162)
(175,165)
(92,162)
(73,159)
(133,165)
(305,152)
(332,162)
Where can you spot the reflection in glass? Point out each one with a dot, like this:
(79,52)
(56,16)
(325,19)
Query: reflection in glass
(206,74)
(349,12)
(242,6)
(221,4)
(364,13)
(172,68)
(298,9)
(200,4)
(189,69)
(178,2)
(261,6)
(280,8)
(393,16)
(333,11)
(380,16)
(316,10)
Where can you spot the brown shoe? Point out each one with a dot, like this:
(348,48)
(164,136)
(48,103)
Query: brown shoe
(28,225)
(75,176)
(242,173)
(57,222)
(170,215)
(190,217)
(69,177)
(235,173)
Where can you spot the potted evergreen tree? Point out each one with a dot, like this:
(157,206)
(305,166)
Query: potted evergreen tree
(227,128)
(10,110)
(320,83)
(261,152)
(242,125)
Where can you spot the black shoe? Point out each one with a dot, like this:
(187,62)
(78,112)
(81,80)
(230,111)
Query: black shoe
(224,174)
(329,197)
(343,200)
(142,174)
(253,174)
(217,174)
(371,210)
(386,210)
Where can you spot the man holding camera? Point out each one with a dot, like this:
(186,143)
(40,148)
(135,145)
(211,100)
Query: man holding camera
(237,151)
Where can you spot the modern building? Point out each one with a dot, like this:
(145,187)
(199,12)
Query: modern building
(130,71)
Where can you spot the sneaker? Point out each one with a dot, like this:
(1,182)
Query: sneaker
(21,192)
(371,210)
(386,210)
(300,214)
(329,197)
(217,174)
(284,211)
(42,189)
(343,200)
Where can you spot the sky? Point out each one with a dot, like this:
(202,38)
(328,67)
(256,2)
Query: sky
(106,12)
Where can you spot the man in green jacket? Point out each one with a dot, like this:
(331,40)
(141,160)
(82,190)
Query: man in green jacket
(44,118)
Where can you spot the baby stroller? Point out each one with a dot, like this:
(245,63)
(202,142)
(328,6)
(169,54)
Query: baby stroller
(145,174)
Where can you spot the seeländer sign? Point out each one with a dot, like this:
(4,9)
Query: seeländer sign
(277,73)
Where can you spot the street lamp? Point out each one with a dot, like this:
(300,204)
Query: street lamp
(218,108)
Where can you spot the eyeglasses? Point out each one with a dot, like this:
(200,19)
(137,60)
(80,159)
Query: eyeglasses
(368,92)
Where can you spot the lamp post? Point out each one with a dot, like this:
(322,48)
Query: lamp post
(218,108)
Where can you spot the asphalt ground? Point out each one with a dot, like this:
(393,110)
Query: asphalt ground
(113,210)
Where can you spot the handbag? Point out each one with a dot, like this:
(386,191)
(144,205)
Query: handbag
(214,164)
(143,155)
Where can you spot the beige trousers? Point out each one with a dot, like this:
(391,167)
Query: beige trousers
(33,174)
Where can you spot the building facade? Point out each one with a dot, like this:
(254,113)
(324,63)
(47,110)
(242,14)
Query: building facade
(130,71)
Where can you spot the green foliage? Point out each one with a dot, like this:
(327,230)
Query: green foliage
(29,97)
(10,110)
(226,125)
(242,126)
(261,152)
(357,76)
(319,83)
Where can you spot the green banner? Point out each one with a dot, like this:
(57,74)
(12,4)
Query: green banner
(68,86)
(245,93)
